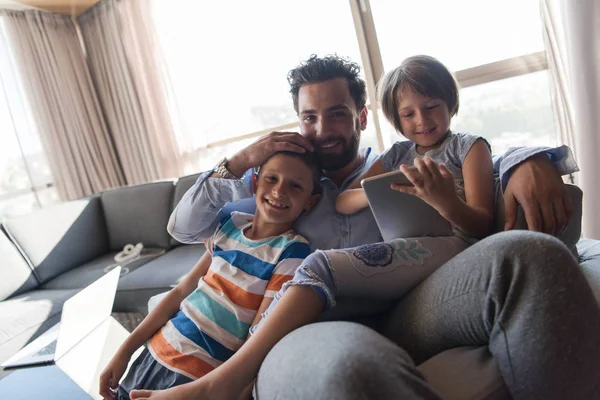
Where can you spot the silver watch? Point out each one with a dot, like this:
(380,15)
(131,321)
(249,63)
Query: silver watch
(222,170)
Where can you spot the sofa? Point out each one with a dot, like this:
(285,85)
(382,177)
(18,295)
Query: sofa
(47,256)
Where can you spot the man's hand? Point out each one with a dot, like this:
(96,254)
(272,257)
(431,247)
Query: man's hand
(261,150)
(537,186)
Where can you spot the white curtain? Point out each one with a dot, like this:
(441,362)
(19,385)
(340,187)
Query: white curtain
(63,102)
(572,30)
(126,68)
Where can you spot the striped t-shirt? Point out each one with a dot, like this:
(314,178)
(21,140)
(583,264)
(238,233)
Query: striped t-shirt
(213,322)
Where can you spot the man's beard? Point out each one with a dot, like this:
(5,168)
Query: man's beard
(333,162)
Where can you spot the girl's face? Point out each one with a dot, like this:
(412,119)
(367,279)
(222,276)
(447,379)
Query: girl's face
(424,120)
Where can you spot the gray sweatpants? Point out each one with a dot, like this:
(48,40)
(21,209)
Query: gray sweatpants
(521,293)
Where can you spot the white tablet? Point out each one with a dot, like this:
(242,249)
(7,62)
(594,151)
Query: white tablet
(401,215)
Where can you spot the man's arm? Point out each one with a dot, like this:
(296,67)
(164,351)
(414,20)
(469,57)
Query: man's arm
(199,212)
(531,177)
(561,158)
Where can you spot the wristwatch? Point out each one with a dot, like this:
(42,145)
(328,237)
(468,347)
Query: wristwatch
(222,170)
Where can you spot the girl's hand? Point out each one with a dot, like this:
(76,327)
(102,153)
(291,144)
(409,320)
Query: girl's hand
(110,377)
(433,183)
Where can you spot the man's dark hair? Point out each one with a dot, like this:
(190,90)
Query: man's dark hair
(321,69)
(310,159)
(424,75)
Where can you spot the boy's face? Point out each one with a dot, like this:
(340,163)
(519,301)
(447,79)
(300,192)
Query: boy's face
(284,189)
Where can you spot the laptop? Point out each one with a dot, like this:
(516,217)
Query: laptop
(81,314)
(401,215)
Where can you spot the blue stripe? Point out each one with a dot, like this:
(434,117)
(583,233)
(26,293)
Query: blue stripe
(188,329)
(246,262)
(233,232)
(277,242)
(295,250)
(218,314)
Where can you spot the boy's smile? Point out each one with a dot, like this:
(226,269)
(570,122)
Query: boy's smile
(284,189)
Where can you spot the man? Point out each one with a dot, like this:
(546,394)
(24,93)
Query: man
(522,293)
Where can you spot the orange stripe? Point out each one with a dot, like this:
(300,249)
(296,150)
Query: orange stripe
(277,281)
(235,293)
(170,356)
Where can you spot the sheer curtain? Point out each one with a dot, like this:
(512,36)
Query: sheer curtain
(554,42)
(573,45)
(63,102)
(126,68)
(26,182)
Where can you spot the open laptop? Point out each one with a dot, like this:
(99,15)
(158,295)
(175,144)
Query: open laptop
(81,314)
(401,215)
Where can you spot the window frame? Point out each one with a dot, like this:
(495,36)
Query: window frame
(372,63)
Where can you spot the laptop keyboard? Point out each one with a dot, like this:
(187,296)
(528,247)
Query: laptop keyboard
(50,349)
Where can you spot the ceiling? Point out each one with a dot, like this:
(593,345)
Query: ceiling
(66,7)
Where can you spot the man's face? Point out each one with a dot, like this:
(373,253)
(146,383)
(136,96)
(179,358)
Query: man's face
(330,120)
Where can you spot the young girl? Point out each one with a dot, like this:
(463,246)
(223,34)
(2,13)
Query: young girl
(206,318)
(450,171)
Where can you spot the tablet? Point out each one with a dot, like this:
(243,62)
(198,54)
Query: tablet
(401,215)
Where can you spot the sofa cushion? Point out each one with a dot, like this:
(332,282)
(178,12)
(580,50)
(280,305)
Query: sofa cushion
(14,270)
(589,257)
(59,238)
(181,186)
(156,276)
(138,214)
(81,276)
(465,373)
(25,317)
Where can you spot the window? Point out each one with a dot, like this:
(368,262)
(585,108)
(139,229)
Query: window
(228,67)
(25,179)
(460,33)
(509,112)
(496,51)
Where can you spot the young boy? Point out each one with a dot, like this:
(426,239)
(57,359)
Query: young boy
(206,318)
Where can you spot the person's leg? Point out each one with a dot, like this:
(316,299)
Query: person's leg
(304,298)
(339,360)
(380,270)
(525,295)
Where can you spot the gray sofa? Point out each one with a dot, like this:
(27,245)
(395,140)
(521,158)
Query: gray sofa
(49,255)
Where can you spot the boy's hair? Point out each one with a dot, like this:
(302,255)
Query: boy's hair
(426,76)
(321,69)
(310,159)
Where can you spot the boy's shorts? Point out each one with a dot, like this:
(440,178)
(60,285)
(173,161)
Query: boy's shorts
(147,373)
